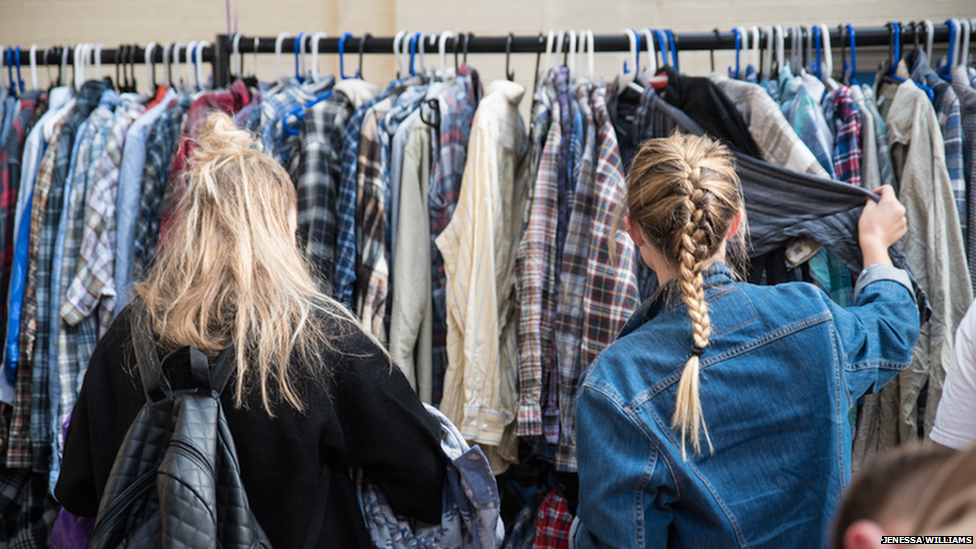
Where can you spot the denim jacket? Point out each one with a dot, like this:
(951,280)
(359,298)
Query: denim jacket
(783,366)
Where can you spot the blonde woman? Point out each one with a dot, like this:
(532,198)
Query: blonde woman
(310,387)
(720,416)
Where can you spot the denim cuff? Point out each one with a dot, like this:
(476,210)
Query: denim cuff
(880,271)
(573,528)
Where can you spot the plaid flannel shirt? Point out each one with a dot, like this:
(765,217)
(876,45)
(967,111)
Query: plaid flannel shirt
(92,287)
(19,447)
(881,136)
(535,281)
(317,178)
(29,513)
(553,522)
(47,209)
(805,115)
(967,115)
(611,294)
(946,104)
(572,282)
(372,272)
(345,256)
(278,143)
(456,108)
(160,149)
(840,109)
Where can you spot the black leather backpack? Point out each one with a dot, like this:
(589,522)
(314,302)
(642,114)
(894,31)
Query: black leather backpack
(176,480)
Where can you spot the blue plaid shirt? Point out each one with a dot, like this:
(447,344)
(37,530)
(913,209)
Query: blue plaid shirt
(345,260)
(807,118)
(278,143)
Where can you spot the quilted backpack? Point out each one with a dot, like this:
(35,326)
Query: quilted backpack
(471,513)
(176,481)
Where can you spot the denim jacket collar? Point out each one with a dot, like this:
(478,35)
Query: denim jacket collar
(717,275)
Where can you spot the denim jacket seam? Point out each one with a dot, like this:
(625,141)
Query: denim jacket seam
(754,344)
(868,364)
(837,352)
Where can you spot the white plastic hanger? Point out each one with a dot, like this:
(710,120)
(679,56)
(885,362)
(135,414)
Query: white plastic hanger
(963,56)
(626,79)
(166,53)
(33,65)
(278,41)
(190,68)
(828,53)
(571,65)
(755,47)
(64,63)
(98,60)
(550,39)
(589,57)
(929,37)
(150,65)
(76,69)
(398,55)
(86,55)
(235,54)
(442,50)
(178,82)
(744,52)
(300,46)
(257,44)
(958,43)
(767,64)
(199,65)
(651,54)
(780,47)
(321,35)
(421,49)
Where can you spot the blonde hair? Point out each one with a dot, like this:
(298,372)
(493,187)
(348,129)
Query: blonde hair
(683,192)
(230,271)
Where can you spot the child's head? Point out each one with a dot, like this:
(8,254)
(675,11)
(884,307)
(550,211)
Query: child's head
(683,203)
(884,498)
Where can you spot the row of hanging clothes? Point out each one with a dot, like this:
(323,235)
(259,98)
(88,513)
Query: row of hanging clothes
(477,246)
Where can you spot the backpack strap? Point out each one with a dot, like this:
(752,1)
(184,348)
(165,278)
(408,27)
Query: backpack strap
(155,386)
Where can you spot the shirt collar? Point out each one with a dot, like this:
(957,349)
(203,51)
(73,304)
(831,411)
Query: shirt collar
(510,90)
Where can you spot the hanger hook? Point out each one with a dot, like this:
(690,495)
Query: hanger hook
(397,41)
(33,65)
(509,74)
(316,75)
(342,54)
(151,65)
(467,39)
(295,49)
(281,38)
(442,49)
(235,54)
(199,64)
(362,48)
(257,47)
(738,48)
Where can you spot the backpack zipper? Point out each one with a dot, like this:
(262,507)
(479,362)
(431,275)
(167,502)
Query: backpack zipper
(135,491)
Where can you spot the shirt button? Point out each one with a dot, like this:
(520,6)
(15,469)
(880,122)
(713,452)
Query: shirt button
(484,426)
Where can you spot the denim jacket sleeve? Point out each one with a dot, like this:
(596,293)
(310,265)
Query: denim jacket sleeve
(877,334)
(625,505)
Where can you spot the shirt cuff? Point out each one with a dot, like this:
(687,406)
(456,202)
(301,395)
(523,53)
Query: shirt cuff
(880,271)
(529,419)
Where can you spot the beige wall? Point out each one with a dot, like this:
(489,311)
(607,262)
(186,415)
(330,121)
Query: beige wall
(50,22)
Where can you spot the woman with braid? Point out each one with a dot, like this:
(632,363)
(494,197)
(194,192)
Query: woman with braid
(719,418)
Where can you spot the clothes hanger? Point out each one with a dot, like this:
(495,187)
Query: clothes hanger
(929,37)
(199,66)
(767,63)
(963,58)
(432,41)
(254,68)
(178,82)
(362,46)
(151,66)
(755,48)
(421,49)
(397,41)
(20,81)
(413,53)
(589,57)
(281,38)
(9,56)
(235,54)
(509,74)
(849,70)
(342,54)
(442,50)
(167,77)
(571,52)
(33,66)
(321,35)
(651,53)
(467,39)
(662,42)
(119,56)
(943,70)
(550,49)
(64,65)
(132,67)
(780,43)
(296,49)
(738,49)
(626,78)
(673,46)
(190,69)
(828,59)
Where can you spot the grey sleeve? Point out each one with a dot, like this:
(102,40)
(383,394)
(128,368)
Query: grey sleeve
(878,271)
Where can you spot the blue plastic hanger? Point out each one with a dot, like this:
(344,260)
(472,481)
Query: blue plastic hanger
(413,52)
(816,65)
(946,70)
(298,40)
(673,46)
(738,48)
(342,55)
(299,112)
(20,81)
(662,45)
(9,56)
(853,65)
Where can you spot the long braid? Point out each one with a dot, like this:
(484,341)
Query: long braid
(688,414)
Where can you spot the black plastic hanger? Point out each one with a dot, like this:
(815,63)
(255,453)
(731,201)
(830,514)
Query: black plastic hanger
(362,46)
(510,75)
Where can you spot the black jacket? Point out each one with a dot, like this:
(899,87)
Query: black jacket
(363,413)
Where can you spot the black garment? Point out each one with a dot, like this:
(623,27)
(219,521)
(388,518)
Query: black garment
(782,205)
(707,105)
(370,417)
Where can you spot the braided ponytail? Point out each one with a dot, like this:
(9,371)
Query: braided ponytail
(683,193)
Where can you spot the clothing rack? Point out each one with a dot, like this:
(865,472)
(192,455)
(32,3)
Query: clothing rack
(470,43)
(219,55)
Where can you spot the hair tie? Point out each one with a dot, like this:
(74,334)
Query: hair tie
(697,351)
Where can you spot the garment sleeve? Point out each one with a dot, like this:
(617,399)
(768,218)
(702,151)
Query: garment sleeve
(620,471)
(955,420)
(877,334)
(76,490)
(388,431)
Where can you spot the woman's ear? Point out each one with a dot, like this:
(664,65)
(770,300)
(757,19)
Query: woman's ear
(736,223)
(634,231)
